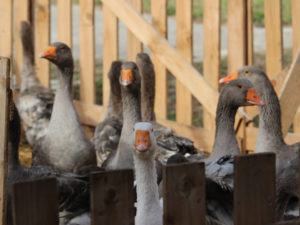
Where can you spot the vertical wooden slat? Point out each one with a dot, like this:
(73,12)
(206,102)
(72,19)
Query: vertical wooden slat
(64,21)
(35,202)
(22,11)
(86,49)
(134,46)
(4,102)
(184,194)
(112,197)
(110,47)
(6,28)
(273,37)
(159,21)
(212,42)
(254,189)
(42,39)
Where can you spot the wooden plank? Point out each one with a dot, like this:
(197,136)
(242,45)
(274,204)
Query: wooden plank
(184,43)
(4,107)
(212,54)
(290,222)
(112,197)
(254,189)
(22,11)
(110,47)
(89,114)
(159,21)
(273,37)
(29,198)
(42,26)
(184,194)
(64,21)
(86,49)
(290,88)
(249,36)
(134,46)
(6,28)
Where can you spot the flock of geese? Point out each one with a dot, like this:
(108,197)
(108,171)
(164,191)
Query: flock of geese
(130,137)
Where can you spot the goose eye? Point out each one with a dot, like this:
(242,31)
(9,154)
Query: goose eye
(246,71)
(240,86)
(61,47)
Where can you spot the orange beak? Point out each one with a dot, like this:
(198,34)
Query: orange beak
(229,78)
(127,77)
(253,98)
(48,53)
(142,140)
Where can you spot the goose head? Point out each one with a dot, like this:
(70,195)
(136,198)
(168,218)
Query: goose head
(143,140)
(130,77)
(58,53)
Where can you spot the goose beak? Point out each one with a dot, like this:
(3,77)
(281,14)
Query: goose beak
(48,53)
(227,79)
(127,77)
(142,140)
(253,98)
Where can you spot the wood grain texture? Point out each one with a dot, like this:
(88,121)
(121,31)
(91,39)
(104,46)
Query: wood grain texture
(89,114)
(42,26)
(64,19)
(4,107)
(183,193)
(134,46)
(159,21)
(112,197)
(184,44)
(254,189)
(86,49)
(29,198)
(273,37)
(170,57)
(211,57)
(6,28)
(110,47)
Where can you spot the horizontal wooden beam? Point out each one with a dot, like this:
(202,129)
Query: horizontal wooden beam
(89,114)
(170,57)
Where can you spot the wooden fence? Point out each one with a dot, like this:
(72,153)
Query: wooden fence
(189,82)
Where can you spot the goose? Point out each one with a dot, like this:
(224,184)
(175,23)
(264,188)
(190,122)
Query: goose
(130,81)
(35,101)
(167,140)
(65,146)
(270,139)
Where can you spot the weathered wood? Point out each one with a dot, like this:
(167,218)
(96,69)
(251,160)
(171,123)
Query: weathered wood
(212,43)
(184,194)
(22,11)
(288,104)
(169,56)
(134,46)
(112,197)
(273,37)
(64,21)
(42,25)
(4,107)
(254,189)
(35,202)
(110,47)
(6,28)
(86,49)
(89,114)
(159,21)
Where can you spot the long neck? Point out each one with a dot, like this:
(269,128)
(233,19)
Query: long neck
(114,108)
(269,132)
(225,140)
(148,94)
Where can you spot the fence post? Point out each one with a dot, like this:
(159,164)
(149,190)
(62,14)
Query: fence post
(254,189)
(112,198)
(6,28)
(64,18)
(35,202)
(184,194)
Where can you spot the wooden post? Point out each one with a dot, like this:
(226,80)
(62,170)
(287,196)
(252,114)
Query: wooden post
(254,189)
(159,21)
(86,49)
(42,26)
(110,47)
(184,194)
(4,103)
(212,43)
(112,197)
(6,28)
(184,39)
(35,202)
(64,21)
